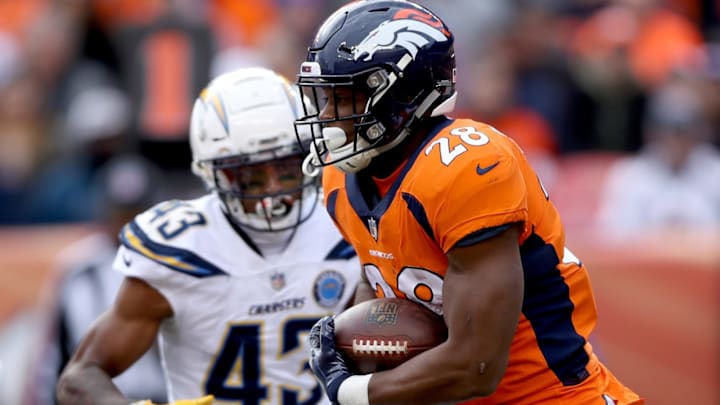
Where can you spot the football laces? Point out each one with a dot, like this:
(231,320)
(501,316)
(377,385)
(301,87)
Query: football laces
(380,347)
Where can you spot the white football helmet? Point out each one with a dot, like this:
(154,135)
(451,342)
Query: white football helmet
(243,118)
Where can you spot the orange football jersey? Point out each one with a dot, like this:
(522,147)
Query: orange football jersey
(467,183)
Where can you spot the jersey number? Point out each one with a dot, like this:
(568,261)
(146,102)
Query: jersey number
(184,218)
(237,373)
(419,285)
(468,135)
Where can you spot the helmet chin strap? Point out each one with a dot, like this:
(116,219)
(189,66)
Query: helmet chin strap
(311,164)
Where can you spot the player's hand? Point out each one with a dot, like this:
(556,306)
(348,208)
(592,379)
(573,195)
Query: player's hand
(325,361)
(206,400)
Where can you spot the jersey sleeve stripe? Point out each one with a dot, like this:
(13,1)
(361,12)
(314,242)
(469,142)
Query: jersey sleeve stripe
(177,259)
(481,235)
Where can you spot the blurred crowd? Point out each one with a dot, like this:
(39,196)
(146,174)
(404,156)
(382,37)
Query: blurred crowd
(82,81)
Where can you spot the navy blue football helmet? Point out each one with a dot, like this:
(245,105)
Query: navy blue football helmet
(399,56)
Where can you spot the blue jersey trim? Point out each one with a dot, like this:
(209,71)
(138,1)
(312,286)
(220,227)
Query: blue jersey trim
(482,235)
(331,204)
(548,308)
(418,211)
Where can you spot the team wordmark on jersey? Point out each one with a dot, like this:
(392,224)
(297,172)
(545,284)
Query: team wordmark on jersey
(277,306)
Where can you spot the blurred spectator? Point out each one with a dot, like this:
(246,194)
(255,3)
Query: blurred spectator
(9,58)
(707,73)
(51,54)
(285,41)
(477,24)
(86,284)
(619,54)
(653,37)
(94,130)
(165,62)
(673,181)
(494,100)
(243,23)
(16,16)
(23,144)
(536,41)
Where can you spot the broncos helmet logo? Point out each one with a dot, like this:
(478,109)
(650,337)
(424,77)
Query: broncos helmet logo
(407,33)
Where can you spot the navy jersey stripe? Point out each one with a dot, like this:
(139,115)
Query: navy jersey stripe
(331,203)
(481,235)
(418,211)
(177,259)
(548,308)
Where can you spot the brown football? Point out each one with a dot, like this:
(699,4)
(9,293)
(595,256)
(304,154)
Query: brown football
(381,333)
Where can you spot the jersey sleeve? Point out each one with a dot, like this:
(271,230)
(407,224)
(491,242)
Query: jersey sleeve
(170,265)
(480,191)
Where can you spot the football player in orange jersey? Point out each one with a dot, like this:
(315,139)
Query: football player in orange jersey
(447,213)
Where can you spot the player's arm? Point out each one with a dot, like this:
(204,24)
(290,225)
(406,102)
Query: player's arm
(482,293)
(115,341)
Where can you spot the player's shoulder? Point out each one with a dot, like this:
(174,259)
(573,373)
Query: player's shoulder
(465,146)
(176,223)
(158,219)
(184,235)
(476,137)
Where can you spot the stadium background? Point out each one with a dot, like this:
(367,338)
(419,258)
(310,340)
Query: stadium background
(657,290)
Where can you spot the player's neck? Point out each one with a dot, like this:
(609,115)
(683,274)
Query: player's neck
(386,164)
(265,244)
(270,244)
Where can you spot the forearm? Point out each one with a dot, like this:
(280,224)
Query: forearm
(433,377)
(87,384)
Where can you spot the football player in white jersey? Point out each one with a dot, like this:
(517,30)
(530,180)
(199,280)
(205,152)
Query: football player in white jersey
(233,281)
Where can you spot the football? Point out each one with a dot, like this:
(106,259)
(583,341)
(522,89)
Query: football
(382,333)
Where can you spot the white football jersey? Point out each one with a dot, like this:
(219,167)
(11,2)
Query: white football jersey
(240,321)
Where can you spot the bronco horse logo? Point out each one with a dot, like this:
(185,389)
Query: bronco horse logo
(407,33)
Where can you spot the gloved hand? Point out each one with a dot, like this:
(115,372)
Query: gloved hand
(325,361)
(206,400)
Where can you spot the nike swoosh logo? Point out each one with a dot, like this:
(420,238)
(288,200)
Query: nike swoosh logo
(483,170)
(126,260)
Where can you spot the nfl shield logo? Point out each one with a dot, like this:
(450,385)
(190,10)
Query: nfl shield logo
(372,227)
(277,281)
(385,313)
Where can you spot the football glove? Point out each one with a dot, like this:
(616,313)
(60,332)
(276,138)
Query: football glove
(206,400)
(325,361)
